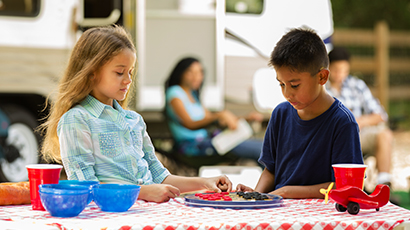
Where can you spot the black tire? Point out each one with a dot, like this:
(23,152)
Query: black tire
(353,208)
(22,136)
(340,208)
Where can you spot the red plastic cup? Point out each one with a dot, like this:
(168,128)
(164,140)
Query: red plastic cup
(349,175)
(41,174)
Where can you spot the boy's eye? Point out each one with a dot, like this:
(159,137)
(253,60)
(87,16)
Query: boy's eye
(281,84)
(294,86)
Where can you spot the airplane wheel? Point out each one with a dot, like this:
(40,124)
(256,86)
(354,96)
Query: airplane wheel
(340,208)
(353,208)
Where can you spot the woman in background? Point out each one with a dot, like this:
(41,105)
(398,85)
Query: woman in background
(188,118)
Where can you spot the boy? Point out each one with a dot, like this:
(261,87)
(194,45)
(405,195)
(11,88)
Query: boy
(309,132)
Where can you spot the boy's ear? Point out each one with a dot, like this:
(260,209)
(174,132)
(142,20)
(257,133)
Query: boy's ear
(323,76)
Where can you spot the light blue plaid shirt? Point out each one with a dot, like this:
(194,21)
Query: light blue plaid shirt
(99,142)
(357,97)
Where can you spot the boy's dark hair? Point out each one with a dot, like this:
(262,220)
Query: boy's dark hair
(301,50)
(339,54)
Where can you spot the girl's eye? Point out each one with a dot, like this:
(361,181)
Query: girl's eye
(120,74)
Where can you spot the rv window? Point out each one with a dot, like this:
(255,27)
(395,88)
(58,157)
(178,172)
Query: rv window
(244,6)
(22,8)
(101,9)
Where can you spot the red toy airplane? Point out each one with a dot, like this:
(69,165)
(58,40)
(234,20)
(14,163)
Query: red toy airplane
(352,198)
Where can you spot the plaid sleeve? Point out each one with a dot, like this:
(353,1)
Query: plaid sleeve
(371,104)
(158,171)
(76,146)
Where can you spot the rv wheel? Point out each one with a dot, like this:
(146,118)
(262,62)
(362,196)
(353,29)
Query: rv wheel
(21,145)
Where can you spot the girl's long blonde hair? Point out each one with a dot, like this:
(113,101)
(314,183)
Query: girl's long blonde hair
(95,47)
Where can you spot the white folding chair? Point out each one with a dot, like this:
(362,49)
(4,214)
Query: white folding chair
(247,175)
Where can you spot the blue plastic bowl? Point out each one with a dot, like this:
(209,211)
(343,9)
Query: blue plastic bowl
(64,200)
(115,197)
(89,183)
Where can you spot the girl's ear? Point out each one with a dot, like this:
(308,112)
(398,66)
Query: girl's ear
(323,76)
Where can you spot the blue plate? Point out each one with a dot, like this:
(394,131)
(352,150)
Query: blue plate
(273,201)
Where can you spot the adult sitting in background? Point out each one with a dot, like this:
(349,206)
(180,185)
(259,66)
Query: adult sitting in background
(375,137)
(188,118)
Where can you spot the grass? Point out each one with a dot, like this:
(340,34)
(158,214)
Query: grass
(404,199)
(399,111)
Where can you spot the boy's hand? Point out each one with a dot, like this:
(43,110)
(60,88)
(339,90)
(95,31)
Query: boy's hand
(158,192)
(218,184)
(243,188)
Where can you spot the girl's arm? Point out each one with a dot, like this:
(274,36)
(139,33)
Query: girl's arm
(158,192)
(76,147)
(189,184)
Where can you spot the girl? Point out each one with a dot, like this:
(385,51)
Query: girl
(91,133)
(188,118)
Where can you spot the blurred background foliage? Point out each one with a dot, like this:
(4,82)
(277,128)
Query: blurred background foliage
(365,13)
(347,13)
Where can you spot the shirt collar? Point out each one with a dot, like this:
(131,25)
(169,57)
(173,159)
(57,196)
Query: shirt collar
(95,107)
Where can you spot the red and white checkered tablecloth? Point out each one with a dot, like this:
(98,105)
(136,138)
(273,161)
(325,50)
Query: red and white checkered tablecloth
(303,214)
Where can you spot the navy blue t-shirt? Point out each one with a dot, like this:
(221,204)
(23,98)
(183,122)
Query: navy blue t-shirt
(300,152)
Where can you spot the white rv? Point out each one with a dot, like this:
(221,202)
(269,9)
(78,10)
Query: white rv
(232,39)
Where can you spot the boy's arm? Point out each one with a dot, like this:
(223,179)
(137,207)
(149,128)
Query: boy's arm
(299,191)
(266,182)
(266,185)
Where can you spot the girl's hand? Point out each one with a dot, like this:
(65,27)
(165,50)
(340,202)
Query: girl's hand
(218,184)
(243,188)
(158,192)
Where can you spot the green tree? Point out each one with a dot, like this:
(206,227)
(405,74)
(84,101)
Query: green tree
(365,13)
